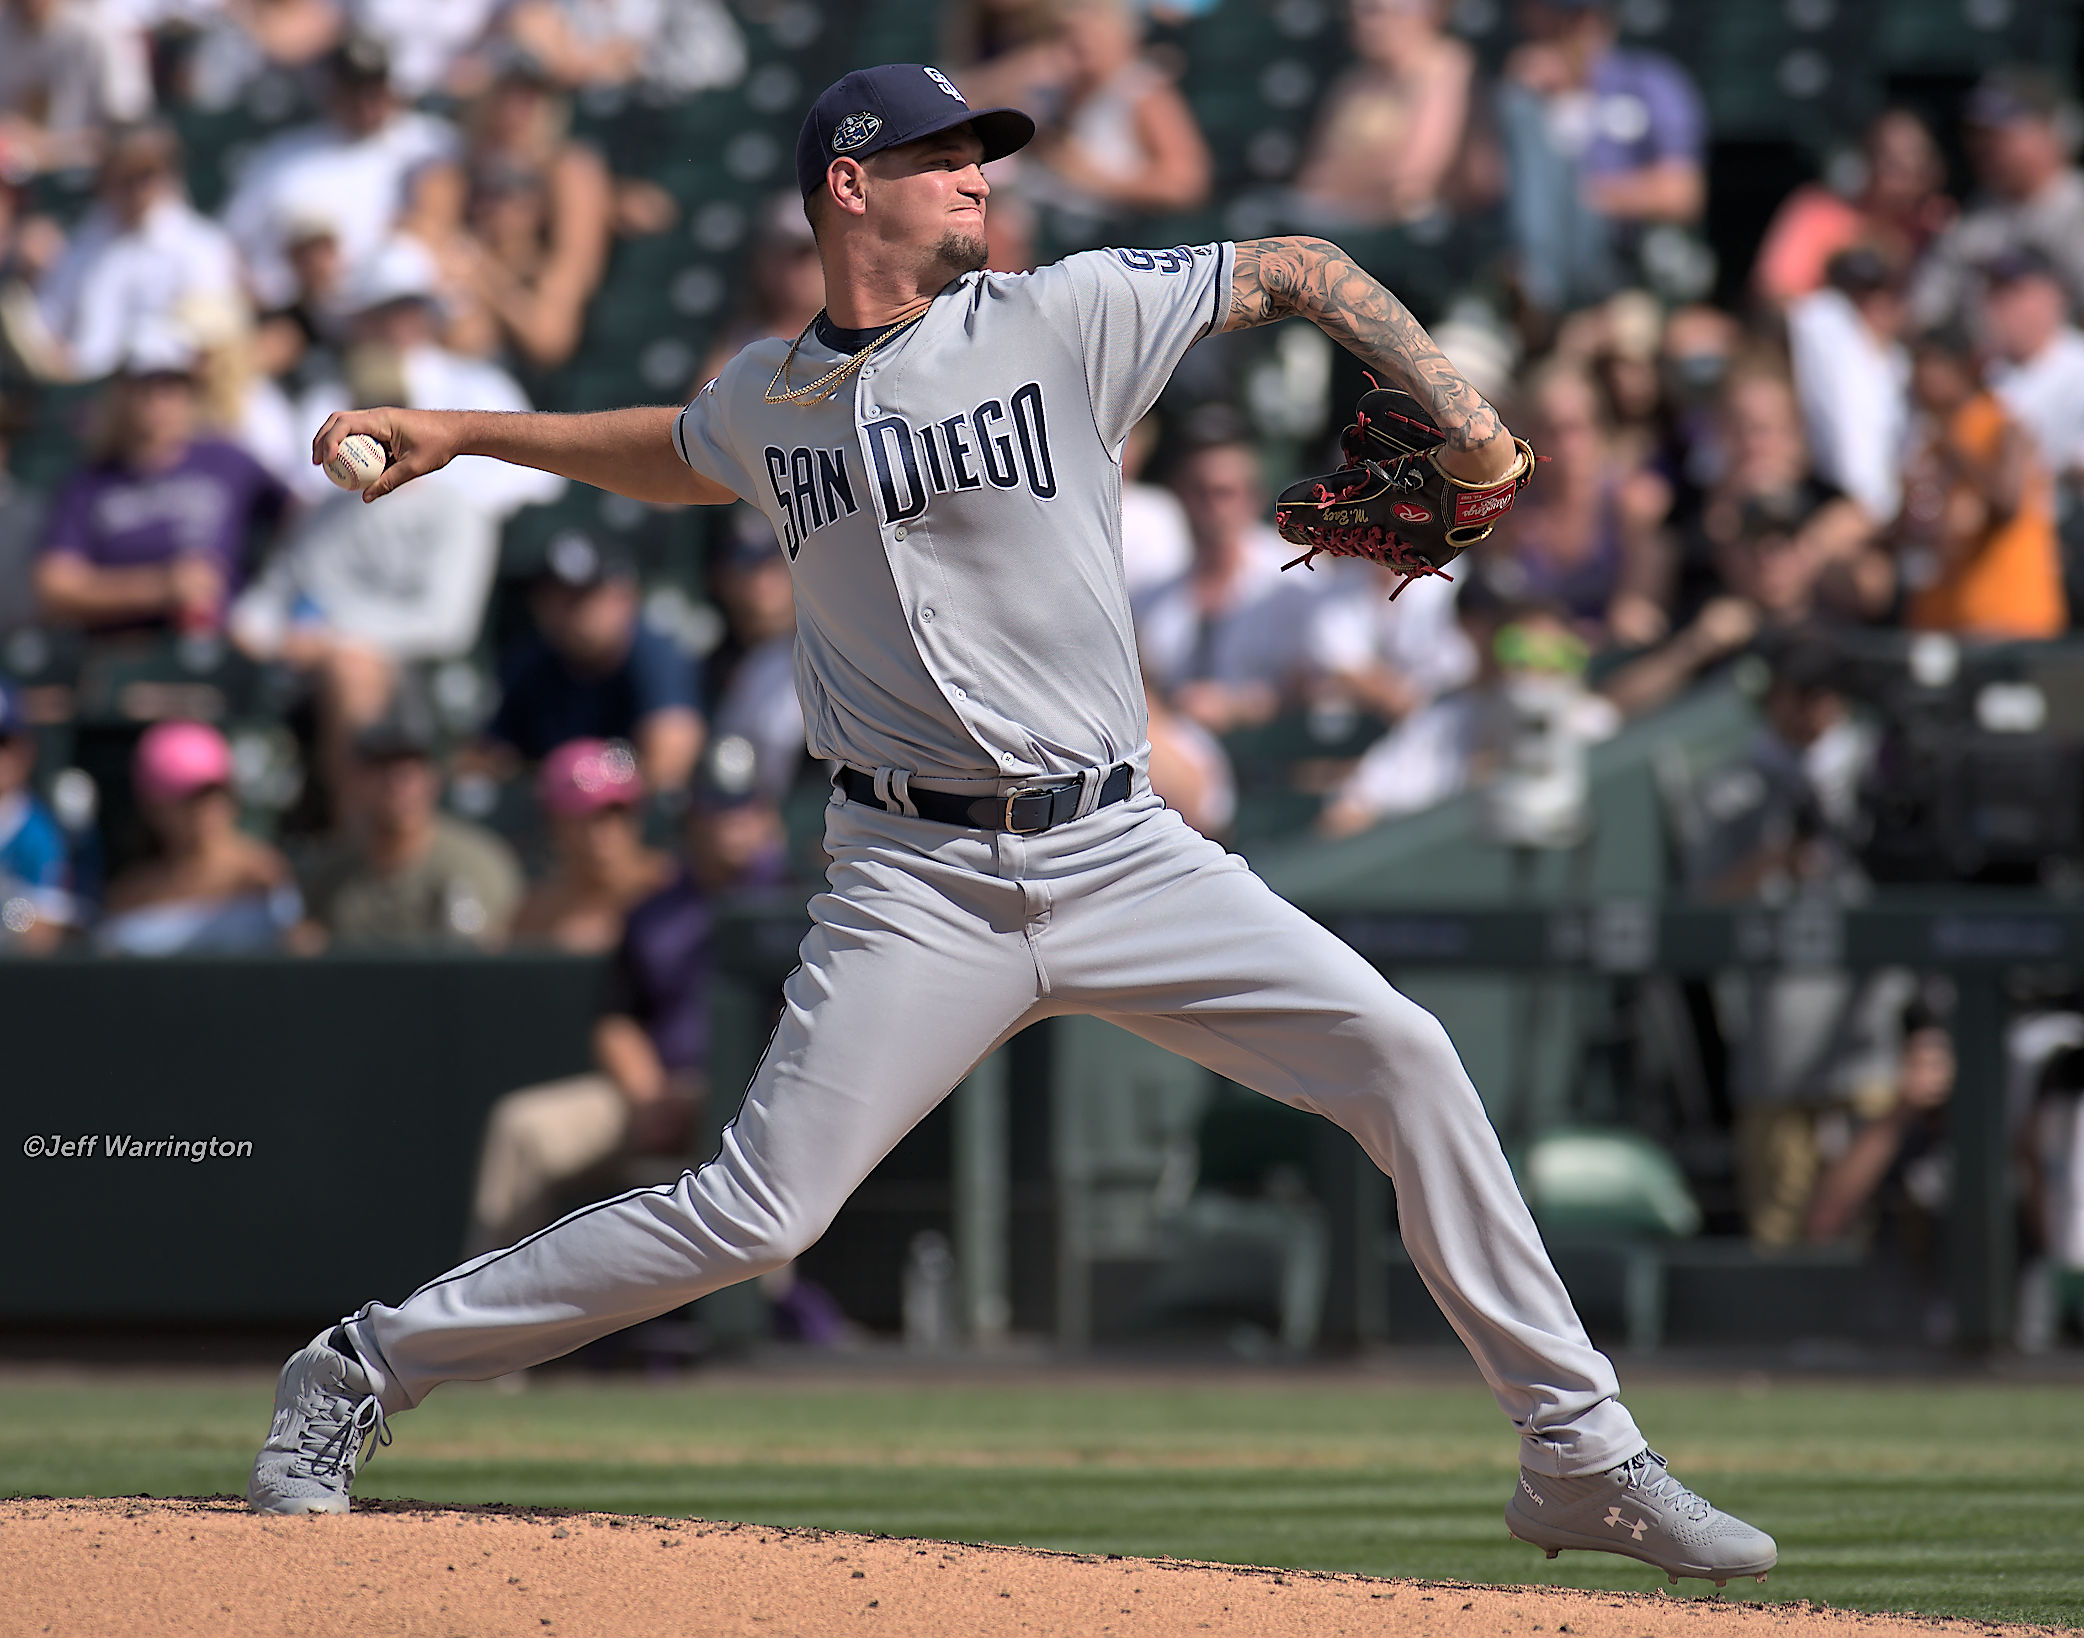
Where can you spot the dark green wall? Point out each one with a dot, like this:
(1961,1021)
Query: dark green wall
(361,1082)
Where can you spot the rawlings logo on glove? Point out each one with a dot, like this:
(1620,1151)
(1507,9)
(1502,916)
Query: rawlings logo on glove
(1479,505)
(1394,504)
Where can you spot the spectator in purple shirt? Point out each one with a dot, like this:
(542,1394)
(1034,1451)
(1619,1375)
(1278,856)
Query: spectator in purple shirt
(545,1145)
(154,533)
(1603,146)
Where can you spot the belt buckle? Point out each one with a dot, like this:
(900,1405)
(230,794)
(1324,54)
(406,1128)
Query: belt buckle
(1006,814)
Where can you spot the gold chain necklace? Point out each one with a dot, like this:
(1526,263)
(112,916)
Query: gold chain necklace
(827,384)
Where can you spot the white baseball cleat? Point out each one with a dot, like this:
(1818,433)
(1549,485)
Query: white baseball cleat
(1640,1510)
(327,1420)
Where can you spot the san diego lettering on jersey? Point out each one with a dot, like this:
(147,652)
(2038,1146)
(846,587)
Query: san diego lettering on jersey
(999,444)
(812,488)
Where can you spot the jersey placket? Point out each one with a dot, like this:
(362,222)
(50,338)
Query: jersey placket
(913,535)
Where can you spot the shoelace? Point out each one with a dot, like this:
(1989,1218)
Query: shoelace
(335,1446)
(1648,1474)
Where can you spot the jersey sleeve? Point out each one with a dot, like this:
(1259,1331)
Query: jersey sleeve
(1137,312)
(702,436)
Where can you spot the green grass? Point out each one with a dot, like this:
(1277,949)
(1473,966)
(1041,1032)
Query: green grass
(1962,1499)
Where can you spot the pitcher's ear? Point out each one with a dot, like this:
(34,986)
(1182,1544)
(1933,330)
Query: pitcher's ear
(846,184)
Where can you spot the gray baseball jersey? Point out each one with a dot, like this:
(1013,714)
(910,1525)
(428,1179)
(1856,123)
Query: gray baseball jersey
(952,514)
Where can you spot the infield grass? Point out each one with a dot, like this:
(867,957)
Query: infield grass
(1956,1498)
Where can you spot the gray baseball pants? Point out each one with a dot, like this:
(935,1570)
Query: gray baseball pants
(932,947)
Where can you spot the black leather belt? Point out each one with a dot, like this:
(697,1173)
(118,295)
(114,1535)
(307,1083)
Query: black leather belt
(1024,813)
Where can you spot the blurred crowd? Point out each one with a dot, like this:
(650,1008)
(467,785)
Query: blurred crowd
(359,739)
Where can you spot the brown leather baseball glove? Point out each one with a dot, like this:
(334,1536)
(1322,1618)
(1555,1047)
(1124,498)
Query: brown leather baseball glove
(1393,503)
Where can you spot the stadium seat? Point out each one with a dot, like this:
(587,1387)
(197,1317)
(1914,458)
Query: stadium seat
(1607,1201)
(1613,1182)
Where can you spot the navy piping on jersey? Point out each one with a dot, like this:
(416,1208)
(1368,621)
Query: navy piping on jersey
(491,1257)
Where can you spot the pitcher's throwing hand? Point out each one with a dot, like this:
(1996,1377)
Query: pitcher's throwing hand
(417,442)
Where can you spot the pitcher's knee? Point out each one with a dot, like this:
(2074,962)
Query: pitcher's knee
(756,1232)
(1404,1039)
(783,1244)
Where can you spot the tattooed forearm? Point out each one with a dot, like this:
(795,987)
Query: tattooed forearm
(1314,279)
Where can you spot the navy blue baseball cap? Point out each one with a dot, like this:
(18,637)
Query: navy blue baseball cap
(876,108)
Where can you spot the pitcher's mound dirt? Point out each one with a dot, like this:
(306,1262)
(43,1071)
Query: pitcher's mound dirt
(137,1568)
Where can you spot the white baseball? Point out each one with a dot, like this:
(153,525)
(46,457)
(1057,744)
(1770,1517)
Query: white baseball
(358,462)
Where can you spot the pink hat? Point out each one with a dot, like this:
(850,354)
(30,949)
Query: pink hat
(586,775)
(177,759)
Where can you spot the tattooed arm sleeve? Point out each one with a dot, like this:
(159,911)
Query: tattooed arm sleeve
(1314,279)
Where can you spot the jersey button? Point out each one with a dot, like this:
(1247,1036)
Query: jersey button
(959,694)
(926,615)
(899,532)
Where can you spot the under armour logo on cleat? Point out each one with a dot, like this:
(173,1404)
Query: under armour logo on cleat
(1533,1495)
(1614,1521)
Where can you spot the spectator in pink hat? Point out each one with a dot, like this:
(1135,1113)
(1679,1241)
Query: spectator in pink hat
(206,887)
(590,788)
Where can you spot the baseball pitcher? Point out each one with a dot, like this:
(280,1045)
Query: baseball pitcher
(939,455)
